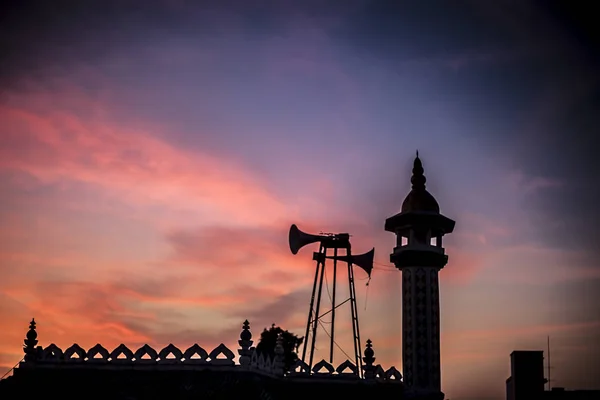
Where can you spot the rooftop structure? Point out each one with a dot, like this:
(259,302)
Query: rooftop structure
(173,373)
(527,380)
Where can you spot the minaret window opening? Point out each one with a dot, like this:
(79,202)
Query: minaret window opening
(436,241)
(428,238)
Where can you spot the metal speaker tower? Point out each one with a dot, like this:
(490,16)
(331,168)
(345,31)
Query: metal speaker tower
(335,242)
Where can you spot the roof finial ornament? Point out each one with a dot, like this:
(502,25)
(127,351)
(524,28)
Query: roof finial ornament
(369,361)
(30,342)
(417,153)
(245,343)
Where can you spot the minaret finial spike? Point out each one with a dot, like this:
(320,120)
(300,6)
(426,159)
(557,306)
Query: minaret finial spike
(418,179)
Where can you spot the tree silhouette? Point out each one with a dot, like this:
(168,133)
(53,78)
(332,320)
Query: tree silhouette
(268,341)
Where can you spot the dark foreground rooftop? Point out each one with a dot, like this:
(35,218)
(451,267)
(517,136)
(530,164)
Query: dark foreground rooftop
(50,372)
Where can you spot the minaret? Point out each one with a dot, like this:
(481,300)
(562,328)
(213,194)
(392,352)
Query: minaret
(419,254)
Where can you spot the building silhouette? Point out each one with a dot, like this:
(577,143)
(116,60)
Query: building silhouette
(195,373)
(526,381)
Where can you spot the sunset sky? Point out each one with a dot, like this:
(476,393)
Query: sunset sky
(153,155)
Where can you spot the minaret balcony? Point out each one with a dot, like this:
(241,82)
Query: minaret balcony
(418,255)
(419,247)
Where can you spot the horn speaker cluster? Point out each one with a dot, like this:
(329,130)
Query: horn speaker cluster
(299,239)
(335,242)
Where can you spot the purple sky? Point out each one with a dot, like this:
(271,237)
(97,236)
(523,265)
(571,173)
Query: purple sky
(154,154)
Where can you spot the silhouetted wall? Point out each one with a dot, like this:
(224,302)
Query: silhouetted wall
(527,375)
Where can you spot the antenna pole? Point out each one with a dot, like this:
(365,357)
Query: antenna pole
(549,385)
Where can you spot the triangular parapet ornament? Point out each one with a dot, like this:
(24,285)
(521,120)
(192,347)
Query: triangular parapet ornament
(269,363)
(121,350)
(221,358)
(75,354)
(222,350)
(379,372)
(145,354)
(195,350)
(98,354)
(318,368)
(170,350)
(347,368)
(300,368)
(393,375)
(261,362)
(52,353)
(254,359)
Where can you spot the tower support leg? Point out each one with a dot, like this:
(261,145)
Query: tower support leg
(314,319)
(311,309)
(317,307)
(332,343)
(355,324)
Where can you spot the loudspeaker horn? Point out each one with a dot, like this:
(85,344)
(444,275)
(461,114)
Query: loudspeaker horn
(299,239)
(365,261)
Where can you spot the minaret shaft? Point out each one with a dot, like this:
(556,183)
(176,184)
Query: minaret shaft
(421,328)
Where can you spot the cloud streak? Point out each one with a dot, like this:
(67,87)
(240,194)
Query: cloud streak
(134,165)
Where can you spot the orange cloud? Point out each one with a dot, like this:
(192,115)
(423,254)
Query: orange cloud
(462,265)
(111,313)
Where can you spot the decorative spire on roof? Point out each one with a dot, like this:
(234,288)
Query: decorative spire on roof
(369,361)
(245,343)
(418,179)
(246,334)
(30,342)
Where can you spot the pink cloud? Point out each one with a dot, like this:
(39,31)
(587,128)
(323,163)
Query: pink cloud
(462,265)
(473,223)
(133,164)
